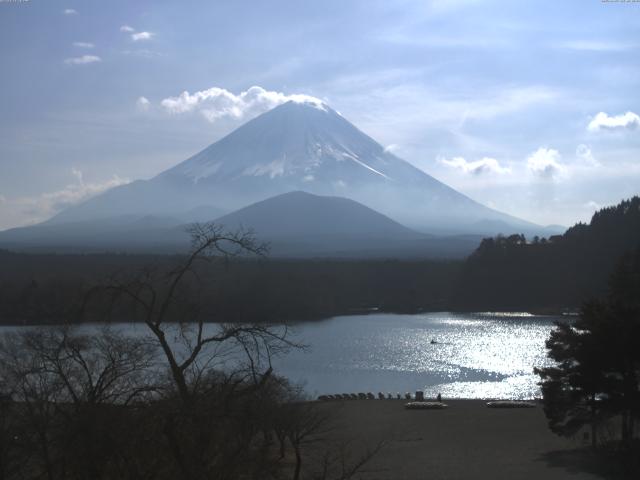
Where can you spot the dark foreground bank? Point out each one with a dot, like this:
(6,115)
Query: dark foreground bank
(466,441)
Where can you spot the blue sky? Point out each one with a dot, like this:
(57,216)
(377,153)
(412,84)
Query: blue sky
(529,107)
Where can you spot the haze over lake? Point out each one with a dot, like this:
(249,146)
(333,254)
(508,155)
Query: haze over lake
(474,355)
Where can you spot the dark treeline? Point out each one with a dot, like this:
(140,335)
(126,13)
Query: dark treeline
(46,288)
(553,274)
(504,273)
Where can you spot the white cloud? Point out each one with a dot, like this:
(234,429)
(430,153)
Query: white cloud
(83,44)
(78,174)
(84,59)
(127,28)
(143,104)
(70,11)
(545,163)
(43,206)
(136,37)
(478,167)
(585,155)
(217,103)
(603,121)
(591,205)
(392,148)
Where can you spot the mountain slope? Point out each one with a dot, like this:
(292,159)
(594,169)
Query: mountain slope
(299,224)
(297,146)
(295,224)
(122,233)
(300,214)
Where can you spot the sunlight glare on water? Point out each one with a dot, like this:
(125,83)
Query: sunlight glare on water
(460,355)
(477,355)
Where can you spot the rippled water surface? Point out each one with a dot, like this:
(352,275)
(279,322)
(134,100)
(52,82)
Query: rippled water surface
(475,355)
(479,355)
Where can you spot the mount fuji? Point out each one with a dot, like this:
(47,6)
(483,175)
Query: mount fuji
(295,147)
(299,146)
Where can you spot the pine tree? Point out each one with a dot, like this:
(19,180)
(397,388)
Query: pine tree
(597,375)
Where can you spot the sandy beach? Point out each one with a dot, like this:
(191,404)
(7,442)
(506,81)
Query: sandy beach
(466,440)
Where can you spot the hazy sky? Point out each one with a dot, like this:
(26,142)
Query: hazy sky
(529,107)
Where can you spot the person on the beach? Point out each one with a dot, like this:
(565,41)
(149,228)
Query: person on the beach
(439,397)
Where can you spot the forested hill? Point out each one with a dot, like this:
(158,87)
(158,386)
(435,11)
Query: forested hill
(49,288)
(549,274)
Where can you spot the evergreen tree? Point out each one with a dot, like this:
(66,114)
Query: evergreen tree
(509,273)
(597,375)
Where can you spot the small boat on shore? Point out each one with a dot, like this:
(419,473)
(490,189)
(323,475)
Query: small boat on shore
(425,405)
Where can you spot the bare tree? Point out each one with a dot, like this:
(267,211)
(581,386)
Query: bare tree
(63,386)
(9,462)
(337,463)
(171,313)
(319,446)
(217,369)
(191,399)
(307,423)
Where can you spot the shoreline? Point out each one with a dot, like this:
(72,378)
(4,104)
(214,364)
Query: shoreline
(526,314)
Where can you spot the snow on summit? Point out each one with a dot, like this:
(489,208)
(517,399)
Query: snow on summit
(302,139)
(299,145)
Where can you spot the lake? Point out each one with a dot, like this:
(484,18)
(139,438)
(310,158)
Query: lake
(475,355)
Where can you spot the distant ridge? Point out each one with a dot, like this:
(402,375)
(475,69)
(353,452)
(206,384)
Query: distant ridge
(300,224)
(295,224)
(301,214)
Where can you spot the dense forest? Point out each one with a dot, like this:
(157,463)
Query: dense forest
(504,273)
(553,274)
(50,288)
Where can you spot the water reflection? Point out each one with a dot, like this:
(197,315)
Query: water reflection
(479,355)
(461,355)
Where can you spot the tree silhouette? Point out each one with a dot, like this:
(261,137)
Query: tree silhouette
(597,375)
(553,274)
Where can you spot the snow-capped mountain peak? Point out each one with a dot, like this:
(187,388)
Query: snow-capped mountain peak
(300,145)
(310,101)
(301,140)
